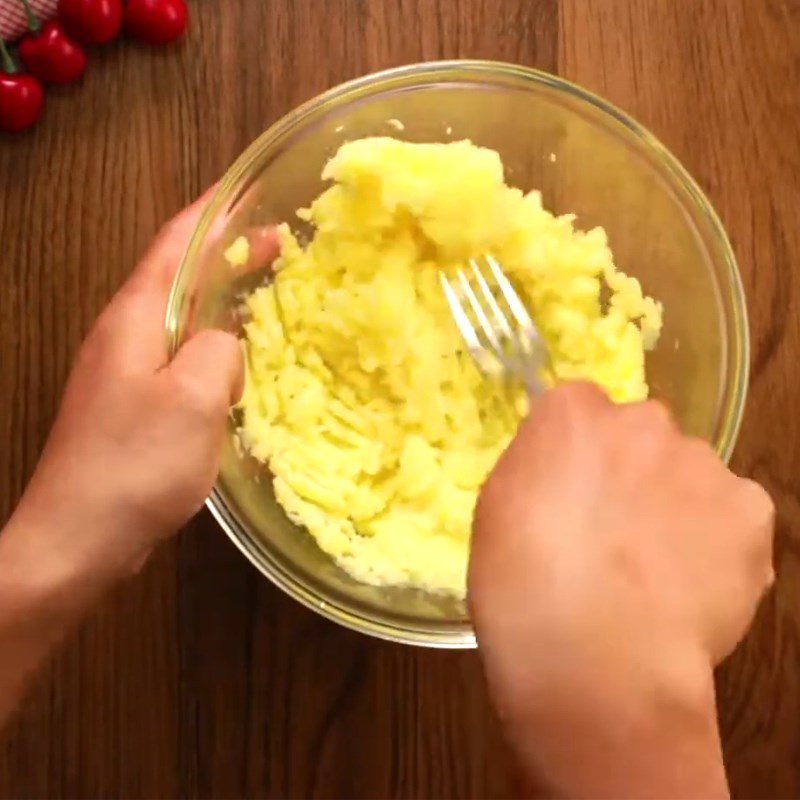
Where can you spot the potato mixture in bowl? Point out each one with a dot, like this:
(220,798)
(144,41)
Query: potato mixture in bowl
(360,396)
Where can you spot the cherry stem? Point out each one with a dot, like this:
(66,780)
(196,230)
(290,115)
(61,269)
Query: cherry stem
(33,24)
(9,67)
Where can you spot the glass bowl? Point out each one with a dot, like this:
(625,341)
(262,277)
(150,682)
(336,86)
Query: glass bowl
(586,157)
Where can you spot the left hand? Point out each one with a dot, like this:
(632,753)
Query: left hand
(134,450)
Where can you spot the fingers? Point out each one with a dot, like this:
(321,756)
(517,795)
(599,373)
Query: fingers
(575,397)
(759,504)
(758,510)
(131,332)
(264,247)
(159,265)
(209,370)
(650,414)
(132,325)
(528,461)
(567,407)
(575,422)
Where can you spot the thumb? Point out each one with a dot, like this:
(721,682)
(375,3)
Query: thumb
(157,268)
(211,367)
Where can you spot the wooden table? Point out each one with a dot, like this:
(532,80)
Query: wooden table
(200,679)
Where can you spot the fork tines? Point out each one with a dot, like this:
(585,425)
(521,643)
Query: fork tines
(498,330)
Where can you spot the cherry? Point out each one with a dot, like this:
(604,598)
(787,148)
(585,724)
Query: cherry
(155,21)
(48,53)
(91,21)
(21,96)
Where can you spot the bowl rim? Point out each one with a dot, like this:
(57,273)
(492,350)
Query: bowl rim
(738,356)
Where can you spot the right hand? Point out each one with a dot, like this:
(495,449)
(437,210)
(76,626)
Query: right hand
(614,562)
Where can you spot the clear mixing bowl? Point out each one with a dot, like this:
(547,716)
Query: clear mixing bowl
(587,158)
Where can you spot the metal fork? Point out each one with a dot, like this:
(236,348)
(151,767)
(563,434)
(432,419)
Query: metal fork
(502,343)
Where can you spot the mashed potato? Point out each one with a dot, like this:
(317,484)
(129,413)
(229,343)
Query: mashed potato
(360,396)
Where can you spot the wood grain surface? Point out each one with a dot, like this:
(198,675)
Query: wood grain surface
(201,680)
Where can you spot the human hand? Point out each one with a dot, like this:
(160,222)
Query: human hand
(132,455)
(134,450)
(614,562)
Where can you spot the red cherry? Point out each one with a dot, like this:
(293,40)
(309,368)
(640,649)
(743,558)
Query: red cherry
(91,21)
(156,21)
(21,96)
(21,102)
(51,55)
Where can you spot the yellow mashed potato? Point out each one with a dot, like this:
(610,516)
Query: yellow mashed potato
(360,396)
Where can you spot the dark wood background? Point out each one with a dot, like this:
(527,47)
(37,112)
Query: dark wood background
(200,679)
